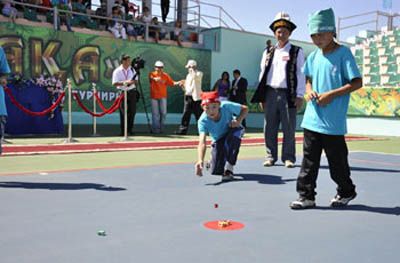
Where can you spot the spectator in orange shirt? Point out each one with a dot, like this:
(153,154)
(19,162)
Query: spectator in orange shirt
(159,80)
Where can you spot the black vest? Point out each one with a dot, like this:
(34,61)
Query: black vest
(291,77)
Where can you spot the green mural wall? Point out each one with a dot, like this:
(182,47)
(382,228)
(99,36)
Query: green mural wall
(384,102)
(87,59)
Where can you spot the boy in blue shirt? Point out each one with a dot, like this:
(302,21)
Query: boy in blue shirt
(332,74)
(222,121)
(4,71)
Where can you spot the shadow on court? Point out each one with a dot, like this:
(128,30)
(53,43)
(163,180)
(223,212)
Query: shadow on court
(60,186)
(260,178)
(367,169)
(373,209)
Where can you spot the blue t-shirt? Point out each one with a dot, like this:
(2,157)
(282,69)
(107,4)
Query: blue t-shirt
(329,72)
(217,129)
(4,69)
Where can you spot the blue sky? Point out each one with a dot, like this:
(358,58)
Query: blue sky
(256,15)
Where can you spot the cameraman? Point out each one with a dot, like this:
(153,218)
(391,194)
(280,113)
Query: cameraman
(123,77)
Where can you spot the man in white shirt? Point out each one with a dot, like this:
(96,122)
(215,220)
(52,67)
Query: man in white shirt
(192,88)
(125,77)
(280,91)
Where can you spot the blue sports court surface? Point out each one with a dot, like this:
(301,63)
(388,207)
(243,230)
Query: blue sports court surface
(156,214)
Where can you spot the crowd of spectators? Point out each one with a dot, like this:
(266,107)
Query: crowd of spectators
(135,25)
(125,21)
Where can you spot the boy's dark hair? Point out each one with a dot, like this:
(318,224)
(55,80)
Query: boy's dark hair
(236,71)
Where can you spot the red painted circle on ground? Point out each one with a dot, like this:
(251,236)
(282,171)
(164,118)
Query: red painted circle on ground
(216,225)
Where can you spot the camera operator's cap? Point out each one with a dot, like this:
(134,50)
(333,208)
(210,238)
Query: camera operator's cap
(282,19)
(191,63)
(125,56)
(322,21)
(209,97)
(159,64)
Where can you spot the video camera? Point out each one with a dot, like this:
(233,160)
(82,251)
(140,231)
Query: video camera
(138,63)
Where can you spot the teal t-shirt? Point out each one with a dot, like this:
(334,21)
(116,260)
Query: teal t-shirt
(329,72)
(4,69)
(217,129)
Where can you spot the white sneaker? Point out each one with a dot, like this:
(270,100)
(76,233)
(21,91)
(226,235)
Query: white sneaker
(339,201)
(302,203)
(268,163)
(289,164)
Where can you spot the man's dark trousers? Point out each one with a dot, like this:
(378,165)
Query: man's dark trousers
(132,99)
(190,106)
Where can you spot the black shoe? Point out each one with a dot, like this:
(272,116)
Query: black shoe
(227,176)
(180,132)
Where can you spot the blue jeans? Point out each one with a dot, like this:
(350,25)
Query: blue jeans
(158,114)
(226,149)
(277,112)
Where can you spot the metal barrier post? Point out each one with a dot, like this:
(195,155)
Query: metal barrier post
(146,33)
(94,110)
(69,139)
(55,18)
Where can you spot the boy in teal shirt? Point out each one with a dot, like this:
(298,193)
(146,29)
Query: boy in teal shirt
(222,121)
(332,74)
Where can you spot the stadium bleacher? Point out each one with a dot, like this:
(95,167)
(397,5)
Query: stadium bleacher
(378,56)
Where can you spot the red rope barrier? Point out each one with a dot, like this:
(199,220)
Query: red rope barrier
(32,113)
(99,102)
(113,107)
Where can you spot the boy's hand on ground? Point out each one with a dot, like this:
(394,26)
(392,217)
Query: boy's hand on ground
(198,167)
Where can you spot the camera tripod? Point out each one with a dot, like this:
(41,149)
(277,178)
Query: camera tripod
(143,101)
